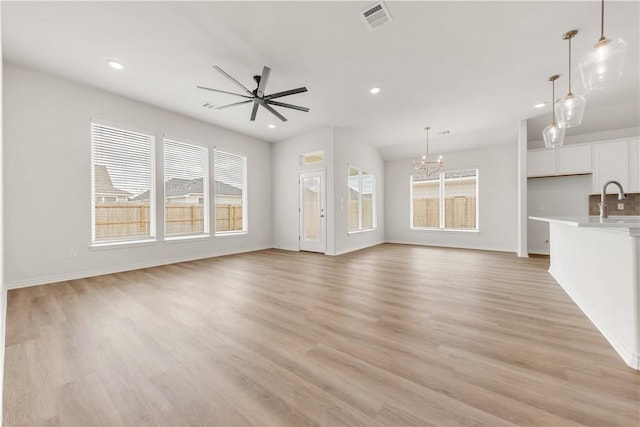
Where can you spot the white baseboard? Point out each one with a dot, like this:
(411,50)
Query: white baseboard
(484,248)
(36,281)
(539,251)
(287,248)
(357,248)
(631,358)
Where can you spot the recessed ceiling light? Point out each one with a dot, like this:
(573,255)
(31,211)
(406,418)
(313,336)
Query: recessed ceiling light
(374,90)
(115,64)
(540,105)
(271,126)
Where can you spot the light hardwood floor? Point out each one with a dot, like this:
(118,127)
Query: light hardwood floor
(391,335)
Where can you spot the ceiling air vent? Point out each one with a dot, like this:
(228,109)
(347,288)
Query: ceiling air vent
(207,105)
(376,15)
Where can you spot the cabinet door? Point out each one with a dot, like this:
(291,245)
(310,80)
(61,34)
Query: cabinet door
(611,162)
(541,163)
(574,160)
(634,166)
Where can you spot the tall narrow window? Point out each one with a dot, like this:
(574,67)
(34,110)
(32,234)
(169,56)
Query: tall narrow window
(447,201)
(361,215)
(460,197)
(186,195)
(425,196)
(230,172)
(123,192)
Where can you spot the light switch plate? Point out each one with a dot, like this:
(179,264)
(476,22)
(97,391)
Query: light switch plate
(620,206)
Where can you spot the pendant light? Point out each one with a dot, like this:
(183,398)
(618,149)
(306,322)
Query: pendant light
(424,166)
(553,135)
(602,67)
(570,109)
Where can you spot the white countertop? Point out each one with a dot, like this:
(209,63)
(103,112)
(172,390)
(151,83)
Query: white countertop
(630,222)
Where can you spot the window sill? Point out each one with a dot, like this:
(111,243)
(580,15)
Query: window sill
(449,230)
(349,233)
(232,234)
(123,244)
(178,239)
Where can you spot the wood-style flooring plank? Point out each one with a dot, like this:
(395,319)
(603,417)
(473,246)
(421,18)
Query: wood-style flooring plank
(387,336)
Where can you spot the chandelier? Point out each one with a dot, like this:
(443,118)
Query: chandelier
(424,166)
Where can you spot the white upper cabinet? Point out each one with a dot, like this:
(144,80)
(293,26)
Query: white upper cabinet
(611,162)
(541,163)
(572,160)
(634,166)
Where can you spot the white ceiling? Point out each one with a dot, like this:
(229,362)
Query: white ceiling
(475,68)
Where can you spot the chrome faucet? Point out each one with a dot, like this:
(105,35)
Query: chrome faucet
(602,205)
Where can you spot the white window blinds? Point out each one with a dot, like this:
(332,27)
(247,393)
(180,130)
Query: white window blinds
(122,184)
(186,195)
(230,192)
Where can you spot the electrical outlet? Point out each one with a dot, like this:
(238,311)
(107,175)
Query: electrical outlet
(73,253)
(620,206)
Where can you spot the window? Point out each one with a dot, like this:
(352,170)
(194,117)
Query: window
(361,215)
(312,158)
(447,201)
(122,177)
(186,184)
(230,172)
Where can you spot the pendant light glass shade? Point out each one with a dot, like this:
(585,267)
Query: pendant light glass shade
(602,67)
(553,135)
(570,109)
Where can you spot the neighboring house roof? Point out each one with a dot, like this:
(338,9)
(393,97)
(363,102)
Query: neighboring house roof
(103,184)
(181,187)
(176,187)
(227,189)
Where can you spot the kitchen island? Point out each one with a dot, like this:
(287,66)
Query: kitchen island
(597,262)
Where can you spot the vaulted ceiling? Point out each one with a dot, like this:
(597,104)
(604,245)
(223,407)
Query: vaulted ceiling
(474,68)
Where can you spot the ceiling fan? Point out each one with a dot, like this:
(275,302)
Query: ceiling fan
(257,96)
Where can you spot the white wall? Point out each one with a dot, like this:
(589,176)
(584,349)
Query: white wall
(350,152)
(554,196)
(285,160)
(498,201)
(47,186)
(3,291)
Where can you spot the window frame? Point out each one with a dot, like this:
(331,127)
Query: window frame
(245,198)
(441,203)
(152,237)
(205,190)
(374,216)
(317,153)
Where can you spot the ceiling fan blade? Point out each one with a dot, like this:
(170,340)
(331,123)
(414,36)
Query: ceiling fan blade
(285,93)
(295,107)
(274,112)
(221,71)
(234,104)
(223,91)
(254,112)
(264,79)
